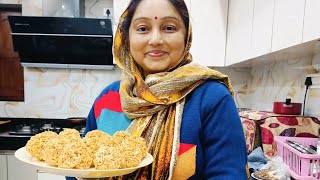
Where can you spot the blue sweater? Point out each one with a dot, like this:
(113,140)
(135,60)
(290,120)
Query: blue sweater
(211,135)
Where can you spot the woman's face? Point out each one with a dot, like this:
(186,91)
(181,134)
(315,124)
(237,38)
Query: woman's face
(157,36)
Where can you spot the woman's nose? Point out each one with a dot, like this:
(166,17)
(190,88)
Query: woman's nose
(156,38)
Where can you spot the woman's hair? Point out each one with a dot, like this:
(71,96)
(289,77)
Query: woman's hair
(178,4)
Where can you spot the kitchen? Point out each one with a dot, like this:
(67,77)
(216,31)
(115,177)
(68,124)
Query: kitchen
(256,44)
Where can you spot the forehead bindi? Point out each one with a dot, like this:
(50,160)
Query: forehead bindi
(154,9)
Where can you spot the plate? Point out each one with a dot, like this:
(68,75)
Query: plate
(23,155)
(258,178)
(252,175)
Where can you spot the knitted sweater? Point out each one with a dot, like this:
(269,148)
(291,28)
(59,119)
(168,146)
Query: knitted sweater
(212,144)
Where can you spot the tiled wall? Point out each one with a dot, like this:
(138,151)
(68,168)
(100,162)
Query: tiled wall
(61,93)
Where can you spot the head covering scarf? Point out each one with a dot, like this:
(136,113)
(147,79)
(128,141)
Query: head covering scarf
(155,103)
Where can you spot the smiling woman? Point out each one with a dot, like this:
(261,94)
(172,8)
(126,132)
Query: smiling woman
(157,44)
(184,111)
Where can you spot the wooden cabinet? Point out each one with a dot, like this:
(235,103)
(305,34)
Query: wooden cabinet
(3,167)
(287,24)
(11,71)
(209,25)
(311,29)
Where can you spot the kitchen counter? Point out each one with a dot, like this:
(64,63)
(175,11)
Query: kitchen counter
(7,152)
(15,132)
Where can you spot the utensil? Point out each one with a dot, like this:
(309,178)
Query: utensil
(301,148)
(5,122)
(77,120)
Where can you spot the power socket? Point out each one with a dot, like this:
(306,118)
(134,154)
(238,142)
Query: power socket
(105,12)
(315,80)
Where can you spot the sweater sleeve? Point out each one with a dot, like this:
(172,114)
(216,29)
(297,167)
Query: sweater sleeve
(91,123)
(223,138)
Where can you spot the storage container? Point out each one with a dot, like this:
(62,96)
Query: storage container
(302,166)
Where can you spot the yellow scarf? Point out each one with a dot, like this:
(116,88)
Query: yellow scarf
(155,104)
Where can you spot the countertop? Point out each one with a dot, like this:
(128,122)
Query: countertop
(7,152)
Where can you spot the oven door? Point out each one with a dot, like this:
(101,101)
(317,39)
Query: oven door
(63,50)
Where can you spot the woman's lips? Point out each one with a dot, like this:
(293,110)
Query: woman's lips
(156,53)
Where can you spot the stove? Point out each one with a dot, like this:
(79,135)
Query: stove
(33,129)
(17,131)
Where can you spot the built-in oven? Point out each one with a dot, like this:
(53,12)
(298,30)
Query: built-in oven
(63,42)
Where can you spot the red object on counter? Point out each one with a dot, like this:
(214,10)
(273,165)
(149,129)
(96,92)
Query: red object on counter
(287,108)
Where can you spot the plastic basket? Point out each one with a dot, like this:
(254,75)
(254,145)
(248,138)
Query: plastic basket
(302,166)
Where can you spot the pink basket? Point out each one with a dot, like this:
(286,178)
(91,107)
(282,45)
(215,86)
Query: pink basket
(302,166)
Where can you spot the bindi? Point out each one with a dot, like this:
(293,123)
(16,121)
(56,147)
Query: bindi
(155,17)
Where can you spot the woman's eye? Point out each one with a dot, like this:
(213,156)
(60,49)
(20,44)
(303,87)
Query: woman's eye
(170,28)
(142,29)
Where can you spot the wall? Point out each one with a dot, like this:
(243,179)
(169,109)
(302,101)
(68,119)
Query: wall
(278,79)
(61,93)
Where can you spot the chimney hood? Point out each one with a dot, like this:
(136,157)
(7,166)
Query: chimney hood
(63,42)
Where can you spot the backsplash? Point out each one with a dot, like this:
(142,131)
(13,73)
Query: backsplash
(59,93)
(62,93)
(279,80)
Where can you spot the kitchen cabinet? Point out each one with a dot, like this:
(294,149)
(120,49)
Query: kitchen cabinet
(11,71)
(47,176)
(20,170)
(259,27)
(262,27)
(287,24)
(3,167)
(209,26)
(311,29)
(239,31)
(10,1)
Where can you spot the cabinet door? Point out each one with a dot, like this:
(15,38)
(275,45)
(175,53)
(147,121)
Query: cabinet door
(3,167)
(239,31)
(209,24)
(262,27)
(311,28)
(288,23)
(19,170)
(11,71)
(47,176)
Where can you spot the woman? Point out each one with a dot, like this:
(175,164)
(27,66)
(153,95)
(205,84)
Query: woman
(185,111)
